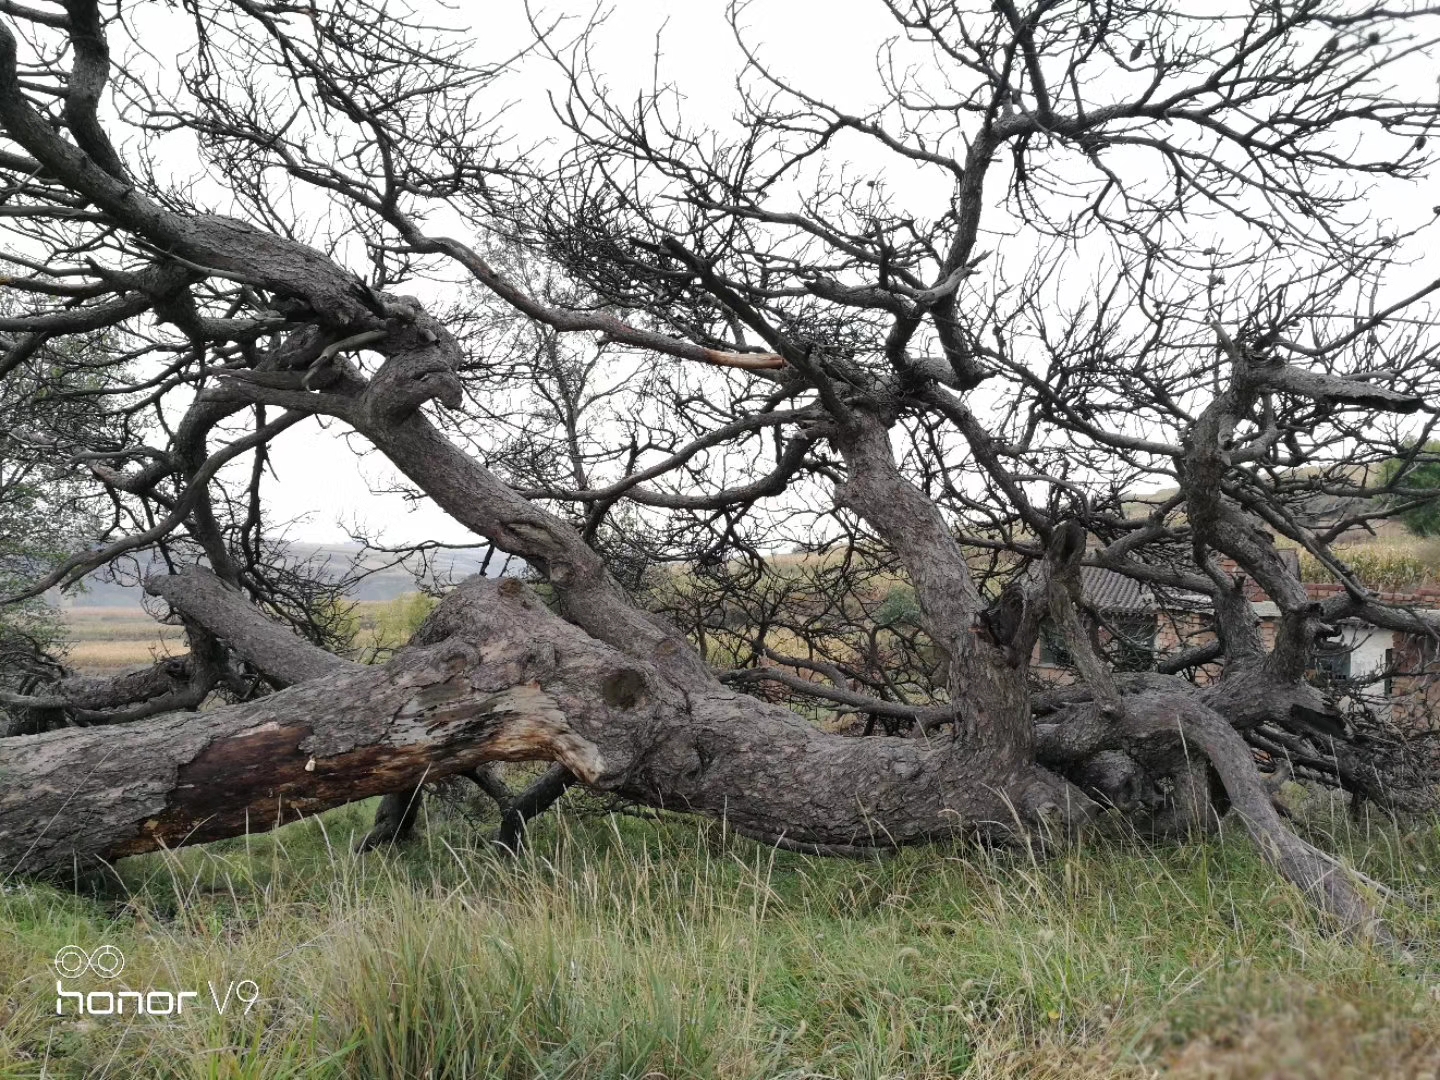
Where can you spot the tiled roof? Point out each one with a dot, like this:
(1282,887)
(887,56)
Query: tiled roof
(1109,591)
(1105,590)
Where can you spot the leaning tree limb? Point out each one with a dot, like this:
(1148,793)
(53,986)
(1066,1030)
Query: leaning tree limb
(488,780)
(538,797)
(282,657)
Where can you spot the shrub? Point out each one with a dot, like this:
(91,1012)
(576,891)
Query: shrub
(1424,473)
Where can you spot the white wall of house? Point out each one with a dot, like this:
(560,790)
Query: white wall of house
(1368,645)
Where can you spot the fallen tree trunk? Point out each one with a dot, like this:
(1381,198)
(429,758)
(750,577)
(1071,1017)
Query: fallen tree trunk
(285,659)
(493,676)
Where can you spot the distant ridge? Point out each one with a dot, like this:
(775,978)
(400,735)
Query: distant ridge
(381,585)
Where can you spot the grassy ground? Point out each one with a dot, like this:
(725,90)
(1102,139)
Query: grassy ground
(667,949)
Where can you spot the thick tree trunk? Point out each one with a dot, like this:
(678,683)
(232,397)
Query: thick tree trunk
(493,676)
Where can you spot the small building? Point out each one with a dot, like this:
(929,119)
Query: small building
(1137,626)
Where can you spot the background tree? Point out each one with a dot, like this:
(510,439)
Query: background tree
(1419,471)
(48,412)
(722,343)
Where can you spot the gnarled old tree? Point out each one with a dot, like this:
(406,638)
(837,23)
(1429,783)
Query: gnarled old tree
(1068,251)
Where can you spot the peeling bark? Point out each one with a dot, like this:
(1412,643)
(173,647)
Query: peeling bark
(283,658)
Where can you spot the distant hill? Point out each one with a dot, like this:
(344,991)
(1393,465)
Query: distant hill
(382,584)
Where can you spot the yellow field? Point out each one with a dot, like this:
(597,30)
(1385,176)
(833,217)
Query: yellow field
(110,640)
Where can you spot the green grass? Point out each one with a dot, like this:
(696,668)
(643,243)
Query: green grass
(628,948)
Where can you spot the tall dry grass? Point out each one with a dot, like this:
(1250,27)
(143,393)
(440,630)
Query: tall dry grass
(649,949)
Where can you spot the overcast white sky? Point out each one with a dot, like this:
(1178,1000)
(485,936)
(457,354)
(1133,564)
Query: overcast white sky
(826,45)
(829,44)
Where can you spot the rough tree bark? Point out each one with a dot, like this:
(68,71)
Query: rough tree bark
(493,676)
(285,659)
